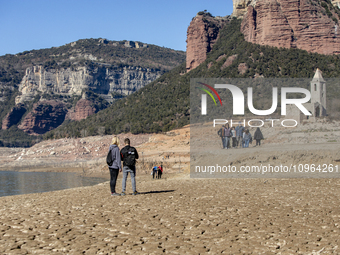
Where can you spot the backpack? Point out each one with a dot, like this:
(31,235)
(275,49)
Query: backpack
(130,159)
(109,159)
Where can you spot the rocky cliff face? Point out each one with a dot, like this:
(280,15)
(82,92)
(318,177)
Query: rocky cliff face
(13,117)
(100,67)
(108,82)
(82,110)
(240,7)
(202,33)
(101,80)
(336,3)
(303,24)
(45,116)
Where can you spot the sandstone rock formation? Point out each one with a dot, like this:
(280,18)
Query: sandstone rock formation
(101,80)
(137,45)
(336,3)
(45,116)
(14,116)
(82,110)
(240,7)
(229,61)
(202,33)
(302,24)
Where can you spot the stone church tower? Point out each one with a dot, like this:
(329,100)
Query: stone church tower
(318,94)
(317,105)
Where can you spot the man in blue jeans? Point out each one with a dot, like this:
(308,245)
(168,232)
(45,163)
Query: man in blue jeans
(129,155)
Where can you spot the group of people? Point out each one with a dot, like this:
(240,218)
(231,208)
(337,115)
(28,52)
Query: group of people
(238,136)
(157,171)
(128,155)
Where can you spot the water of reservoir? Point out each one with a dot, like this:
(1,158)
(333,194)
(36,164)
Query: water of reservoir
(15,183)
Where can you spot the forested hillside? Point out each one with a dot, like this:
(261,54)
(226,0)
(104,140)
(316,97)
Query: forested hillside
(87,56)
(164,104)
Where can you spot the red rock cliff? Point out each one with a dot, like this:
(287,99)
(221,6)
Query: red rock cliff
(13,117)
(45,116)
(82,110)
(202,33)
(303,24)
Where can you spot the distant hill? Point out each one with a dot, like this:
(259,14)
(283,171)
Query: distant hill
(164,104)
(34,84)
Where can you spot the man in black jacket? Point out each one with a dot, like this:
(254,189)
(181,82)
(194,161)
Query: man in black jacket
(129,155)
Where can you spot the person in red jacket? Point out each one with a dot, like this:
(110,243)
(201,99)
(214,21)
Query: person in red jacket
(160,171)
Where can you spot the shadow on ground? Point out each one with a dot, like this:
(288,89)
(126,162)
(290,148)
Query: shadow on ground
(157,191)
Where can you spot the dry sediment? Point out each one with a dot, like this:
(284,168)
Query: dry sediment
(180,215)
(87,155)
(177,215)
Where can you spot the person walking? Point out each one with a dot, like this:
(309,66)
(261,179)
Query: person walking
(154,172)
(239,134)
(160,171)
(116,164)
(129,155)
(233,136)
(221,134)
(258,136)
(227,136)
(247,138)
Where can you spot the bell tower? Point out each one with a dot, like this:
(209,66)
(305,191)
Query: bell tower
(318,92)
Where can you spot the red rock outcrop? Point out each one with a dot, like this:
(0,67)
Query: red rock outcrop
(82,110)
(14,116)
(229,61)
(302,24)
(45,116)
(202,33)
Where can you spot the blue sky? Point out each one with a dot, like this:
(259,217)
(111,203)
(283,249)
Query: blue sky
(37,24)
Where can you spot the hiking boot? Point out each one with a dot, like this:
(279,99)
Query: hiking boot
(122,194)
(115,194)
(135,193)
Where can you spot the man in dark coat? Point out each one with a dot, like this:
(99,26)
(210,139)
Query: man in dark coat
(129,155)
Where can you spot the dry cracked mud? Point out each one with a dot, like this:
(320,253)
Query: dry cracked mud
(177,215)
